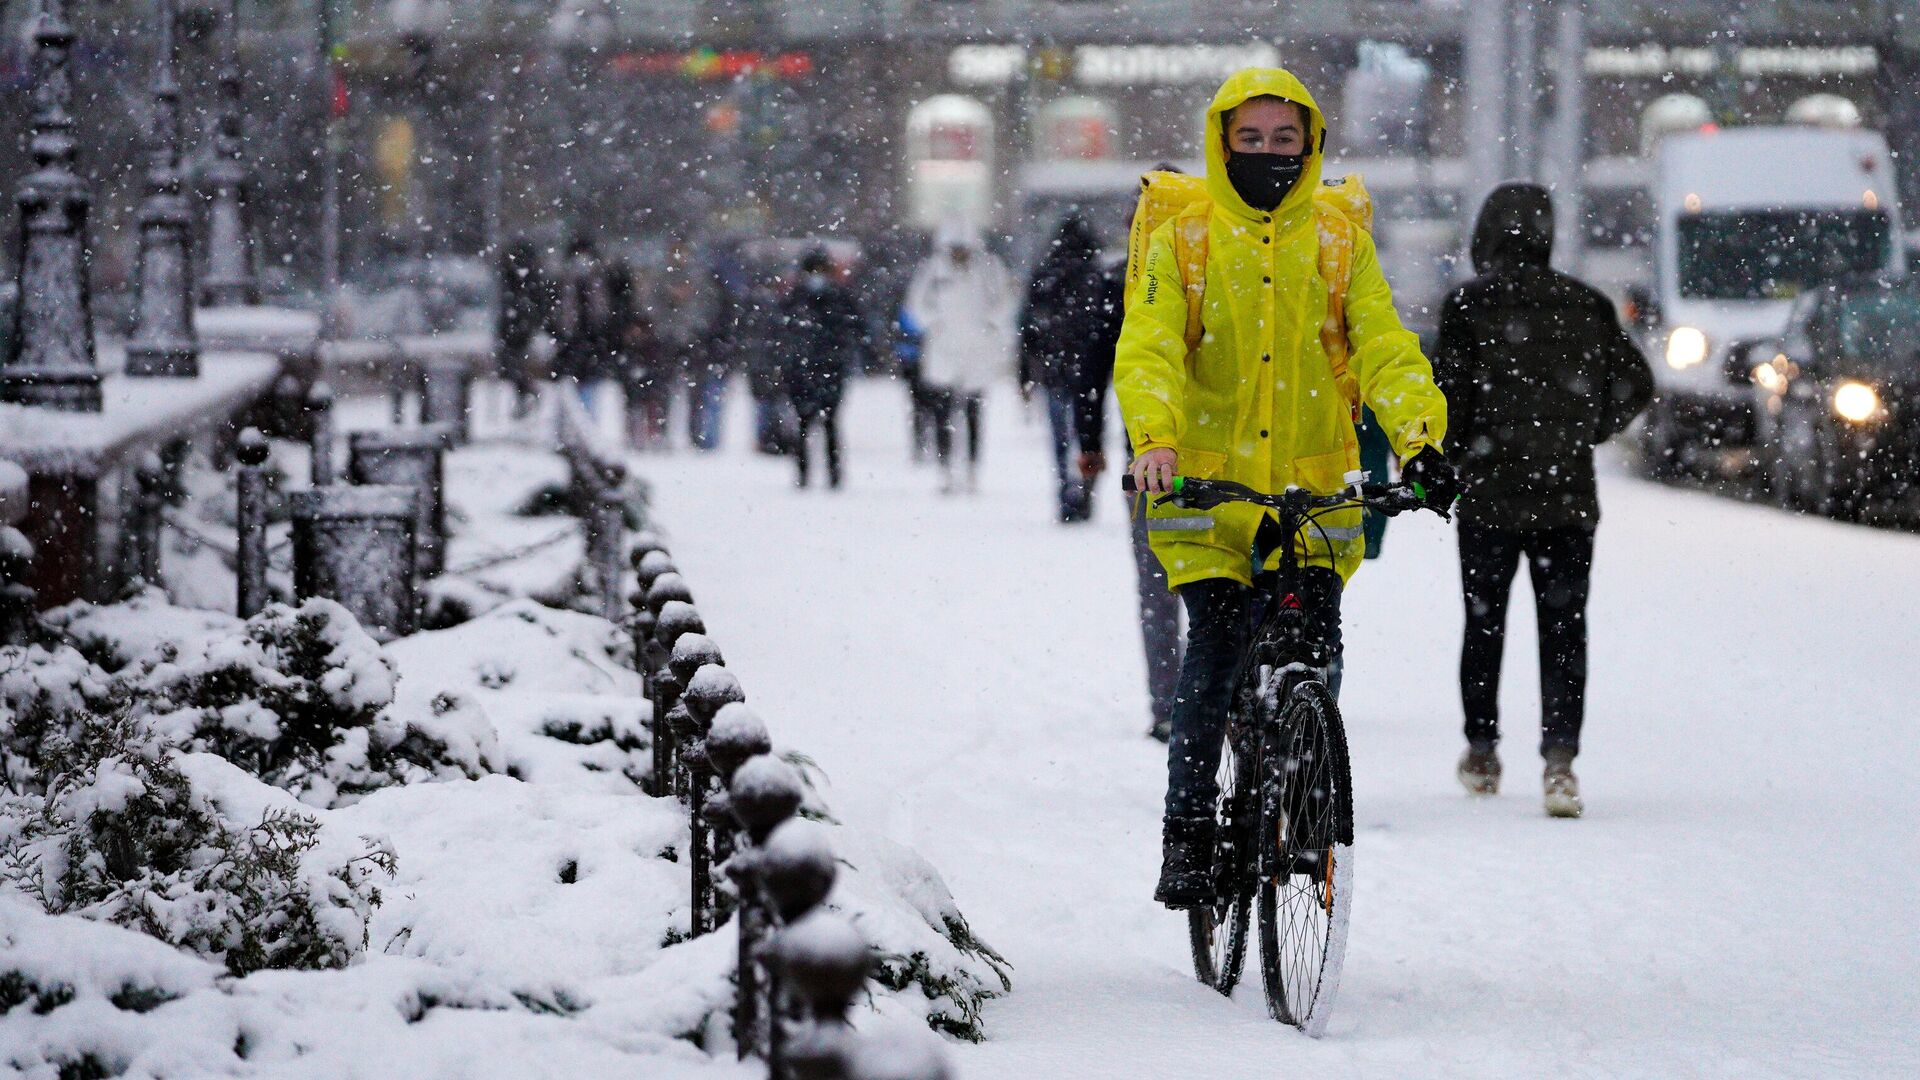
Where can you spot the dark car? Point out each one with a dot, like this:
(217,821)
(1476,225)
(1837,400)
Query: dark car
(1838,399)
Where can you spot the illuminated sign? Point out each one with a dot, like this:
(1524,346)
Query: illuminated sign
(1658,61)
(1109,65)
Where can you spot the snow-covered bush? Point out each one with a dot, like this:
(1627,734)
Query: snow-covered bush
(118,833)
(299,696)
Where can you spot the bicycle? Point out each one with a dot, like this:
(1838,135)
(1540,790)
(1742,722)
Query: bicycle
(1284,817)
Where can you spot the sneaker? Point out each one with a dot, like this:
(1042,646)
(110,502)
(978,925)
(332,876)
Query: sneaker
(1479,770)
(1186,865)
(1562,788)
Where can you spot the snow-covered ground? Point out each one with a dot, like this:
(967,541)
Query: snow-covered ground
(1740,900)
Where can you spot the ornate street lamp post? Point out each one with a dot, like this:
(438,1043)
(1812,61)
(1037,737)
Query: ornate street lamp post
(53,363)
(163,341)
(229,278)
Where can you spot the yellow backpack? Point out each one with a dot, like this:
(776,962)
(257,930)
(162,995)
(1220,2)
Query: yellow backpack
(1340,206)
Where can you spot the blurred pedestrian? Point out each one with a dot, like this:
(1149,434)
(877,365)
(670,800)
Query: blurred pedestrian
(585,332)
(907,340)
(1537,372)
(525,307)
(823,337)
(759,349)
(645,371)
(680,308)
(963,299)
(1060,326)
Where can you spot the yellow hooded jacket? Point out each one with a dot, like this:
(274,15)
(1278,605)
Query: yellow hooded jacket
(1256,402)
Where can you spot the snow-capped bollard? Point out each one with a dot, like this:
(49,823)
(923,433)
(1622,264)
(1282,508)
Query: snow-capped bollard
(320,434)
(666,588)
(711,687)
(737,735)
(763,793)
(674,618)
(140,551)
(250,565)
(797,868)
(16,596)
(823,963)
(648,567)
(414,458)
(766,792)
(645,542)
(446,396)
(353,544)
(606,527)
(691,652)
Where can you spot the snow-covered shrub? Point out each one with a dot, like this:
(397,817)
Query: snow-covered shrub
(118,833)
(300,699)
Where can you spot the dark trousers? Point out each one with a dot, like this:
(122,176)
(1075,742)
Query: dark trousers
(942,401)
(1159,625)
(1559,562)
(1221,616)
(1076,498)
(827,419)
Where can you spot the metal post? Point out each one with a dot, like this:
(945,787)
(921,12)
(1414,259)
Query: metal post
(320,434)
(335,90)
(142,544)
(1486,122)
(446,393)
(606,537)
(711,687)
(251,564)
(1570,138)
(52,362)
(163,342)
(229,274)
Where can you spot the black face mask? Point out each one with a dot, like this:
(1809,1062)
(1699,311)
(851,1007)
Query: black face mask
(1264,179)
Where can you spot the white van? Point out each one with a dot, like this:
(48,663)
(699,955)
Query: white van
(1745,219)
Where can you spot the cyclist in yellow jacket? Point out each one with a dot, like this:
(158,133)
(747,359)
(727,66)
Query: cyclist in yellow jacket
(1258,402)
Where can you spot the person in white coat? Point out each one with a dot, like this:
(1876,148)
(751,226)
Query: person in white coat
(963,300)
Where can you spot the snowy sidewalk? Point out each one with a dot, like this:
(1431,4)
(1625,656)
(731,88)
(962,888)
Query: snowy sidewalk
(1737,903)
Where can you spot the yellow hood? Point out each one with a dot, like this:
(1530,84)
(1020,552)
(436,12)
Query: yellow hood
(1252,83)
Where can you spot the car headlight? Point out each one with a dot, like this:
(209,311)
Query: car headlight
(1768,376)
(1856,401)
(1686,346)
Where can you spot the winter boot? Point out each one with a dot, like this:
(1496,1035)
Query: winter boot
(1161,729)
(1562,787)
(1479,770)
(1186,864)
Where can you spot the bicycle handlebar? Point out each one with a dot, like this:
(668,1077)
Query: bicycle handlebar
(1190,493)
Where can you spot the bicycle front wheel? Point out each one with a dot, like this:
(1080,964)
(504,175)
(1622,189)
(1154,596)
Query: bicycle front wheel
(1306,858)
(1218,931)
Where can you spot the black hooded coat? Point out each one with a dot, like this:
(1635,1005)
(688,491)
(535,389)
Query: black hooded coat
(1537,372)
(1064,312)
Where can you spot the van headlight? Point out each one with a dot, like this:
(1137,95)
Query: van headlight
(1856,401)
(1686,346)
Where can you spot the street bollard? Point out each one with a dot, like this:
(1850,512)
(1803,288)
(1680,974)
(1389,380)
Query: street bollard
(823,963)
(415,458)
(353,544)
(796,871)
(710,687)
(320,434)
(16,596)
(673,619)
(141,544)
(446,393)
(606,527)
(250,564)
(761,798)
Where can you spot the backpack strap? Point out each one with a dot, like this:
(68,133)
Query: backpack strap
(1336,269)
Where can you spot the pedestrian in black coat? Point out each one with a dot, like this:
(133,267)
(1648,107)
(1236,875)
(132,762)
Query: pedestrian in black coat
(1060,324)
(1537,373)
(586,322)
(823,336)
(526,307)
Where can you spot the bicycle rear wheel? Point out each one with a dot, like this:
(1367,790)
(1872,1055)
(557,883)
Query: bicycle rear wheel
(1306,858)
(1218,932)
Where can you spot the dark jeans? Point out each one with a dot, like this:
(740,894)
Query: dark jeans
(1076,498)
(1221,616)
(1559,562)
(828,420)
(942,402)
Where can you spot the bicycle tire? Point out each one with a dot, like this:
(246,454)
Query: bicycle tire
(1217,934)
(1306,858)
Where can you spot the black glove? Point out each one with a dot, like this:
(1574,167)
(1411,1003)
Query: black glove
(1434,477)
